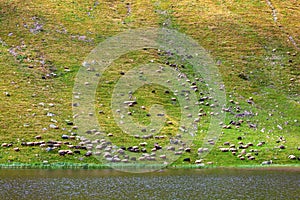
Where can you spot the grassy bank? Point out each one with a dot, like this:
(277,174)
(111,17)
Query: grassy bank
(291,167)
(43,44)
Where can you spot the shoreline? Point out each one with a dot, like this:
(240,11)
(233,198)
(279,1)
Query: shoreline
(87,166)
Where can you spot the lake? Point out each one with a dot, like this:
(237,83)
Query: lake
(164,184)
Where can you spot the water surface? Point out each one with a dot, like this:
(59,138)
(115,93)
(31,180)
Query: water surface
(166,184)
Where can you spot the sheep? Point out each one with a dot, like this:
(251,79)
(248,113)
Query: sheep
(198,161)
(292,157)
(268,162)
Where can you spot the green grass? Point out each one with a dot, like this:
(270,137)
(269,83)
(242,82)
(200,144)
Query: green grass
(253,54)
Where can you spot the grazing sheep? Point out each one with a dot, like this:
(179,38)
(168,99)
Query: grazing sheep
(171,148)
(251,158)
(65,137)
(201,150)
(133,158)
(243,152)
(224,149)
(153,149)
(16,149)
(178,153)
(198,161)
(61,152)
(292,157)
(281,147)
(268,162)
(87,154)
(226,143)
(157,147)
(4,145)
(38,137)
(77,151)
(143,144)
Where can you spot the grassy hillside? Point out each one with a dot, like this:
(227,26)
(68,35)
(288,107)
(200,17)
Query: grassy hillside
(255,45)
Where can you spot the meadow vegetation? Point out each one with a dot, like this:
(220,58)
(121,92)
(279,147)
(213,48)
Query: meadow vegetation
(44,43)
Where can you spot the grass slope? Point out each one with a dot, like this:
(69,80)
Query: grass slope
(43,44)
